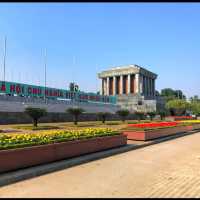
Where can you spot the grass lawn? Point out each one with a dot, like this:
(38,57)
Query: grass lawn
(31,127)
(28,128)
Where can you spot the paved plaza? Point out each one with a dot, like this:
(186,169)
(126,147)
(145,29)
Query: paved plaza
(168,169)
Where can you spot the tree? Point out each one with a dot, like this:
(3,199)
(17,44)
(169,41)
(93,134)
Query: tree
(140,115)
(103,116)
(123,113)
(163,113)
(195,98)
(179,94)
(152,115)
(170,94)
(177,106)
(167,92)
(75,112)
(157,93)
(195,107)
(35,114)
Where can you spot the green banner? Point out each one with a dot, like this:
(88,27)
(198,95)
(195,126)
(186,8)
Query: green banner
(20,89)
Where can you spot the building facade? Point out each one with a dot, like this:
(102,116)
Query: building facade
(133,86)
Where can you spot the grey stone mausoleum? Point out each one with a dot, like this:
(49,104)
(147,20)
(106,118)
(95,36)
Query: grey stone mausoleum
(133,86)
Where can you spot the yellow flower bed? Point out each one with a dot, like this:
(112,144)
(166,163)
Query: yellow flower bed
(190,121)
(44,137)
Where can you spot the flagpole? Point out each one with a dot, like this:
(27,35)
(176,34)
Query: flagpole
(4,61)
(45,73)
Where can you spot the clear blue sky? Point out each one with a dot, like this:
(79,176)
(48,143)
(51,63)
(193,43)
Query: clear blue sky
(85,38)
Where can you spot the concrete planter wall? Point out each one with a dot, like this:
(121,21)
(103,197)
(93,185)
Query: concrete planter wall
(152,134)
(14,159)
(196,126)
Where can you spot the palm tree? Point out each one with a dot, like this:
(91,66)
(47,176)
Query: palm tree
(163,113)
(103,116)
(123,114)
(152,115)
(35,114)
(140,115)
(75,112)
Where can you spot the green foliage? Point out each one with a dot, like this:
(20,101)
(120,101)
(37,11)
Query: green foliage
(75,112)
(195,98)
(123,113)
(103,116)
(177,106)
(157,93)
(170,94)
(179,94)
(112,123)
(36,128)
(163,113)
(10,141)
(151,114)
(35,114)
(167,92)
(195,107)
(140,115)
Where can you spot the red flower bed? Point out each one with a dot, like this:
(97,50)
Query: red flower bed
(155,124)
(186,117)
(176,118)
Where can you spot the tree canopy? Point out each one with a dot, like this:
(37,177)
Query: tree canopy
(163,112)
(195,107)
(35,114)
(151,114)
(75,112)
(103,116)
(177,106)
(195,98)
(123,113)
(140,115)
(170,94)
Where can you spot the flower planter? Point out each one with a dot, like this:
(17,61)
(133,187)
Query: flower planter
(157,133)
(195,126)
(14,159)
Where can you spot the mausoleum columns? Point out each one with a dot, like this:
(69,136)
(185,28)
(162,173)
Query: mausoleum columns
(104,86)
(154,87)
(129,84)
(114,85)
(107,86)
(141,83)
(121,85)
(148,86)
(137,86)
(134,84)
